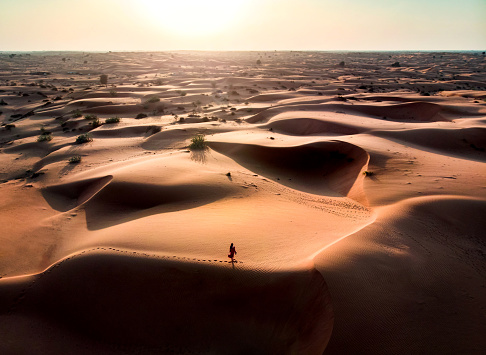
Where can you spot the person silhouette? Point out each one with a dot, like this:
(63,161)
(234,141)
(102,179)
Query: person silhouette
(232,252)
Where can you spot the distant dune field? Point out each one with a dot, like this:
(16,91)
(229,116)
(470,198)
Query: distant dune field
(355,195)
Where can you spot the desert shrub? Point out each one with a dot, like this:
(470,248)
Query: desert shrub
(396,65)
(112,120)
(76,114)
(103,79)
(153,129)
(367,173)
(113,93)
(44,131)
(3,103)
(153,99)
(259,62)
(44,138)
(9,126)
(342,64)
(91,117)
(140,115)
(83,138)
(96,123)
(75,159)
(198,142)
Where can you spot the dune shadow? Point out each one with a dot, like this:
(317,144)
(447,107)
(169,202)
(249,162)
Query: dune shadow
(200,155)
(121,202)
(155,306)
(327,168)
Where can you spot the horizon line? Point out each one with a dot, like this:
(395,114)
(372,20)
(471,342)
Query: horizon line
(242,50)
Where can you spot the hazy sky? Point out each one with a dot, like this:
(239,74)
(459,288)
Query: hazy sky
(242,25)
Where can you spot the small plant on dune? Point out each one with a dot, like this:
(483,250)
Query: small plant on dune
(113,93)
(368,173)
(96,123)
(153,99)
(9,126)
(91,117)
(141,115)
(103,79)
(44,138)
(75,159)
(153,129)
(198,142)
(76,114)
(83,138)
(112,120)
(44,131)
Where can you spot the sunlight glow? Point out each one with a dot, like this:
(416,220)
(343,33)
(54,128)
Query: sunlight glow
(192,18)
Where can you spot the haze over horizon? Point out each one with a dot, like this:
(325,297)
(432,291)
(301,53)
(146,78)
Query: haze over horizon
(149,25)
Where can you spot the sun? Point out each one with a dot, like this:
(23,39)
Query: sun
(192,18)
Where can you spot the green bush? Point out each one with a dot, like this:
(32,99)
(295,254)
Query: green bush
(112,120)
(103,79)
(141,115)
(76,114)
(83,138)
(91,117)
(75,159)
(153,129)
(96,123)
(44,131)
(198,142)
(44,138)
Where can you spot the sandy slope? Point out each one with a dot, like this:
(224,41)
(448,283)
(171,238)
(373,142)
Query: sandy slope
(355,196)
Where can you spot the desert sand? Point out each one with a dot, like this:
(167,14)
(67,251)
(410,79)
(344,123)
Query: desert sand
(352,184)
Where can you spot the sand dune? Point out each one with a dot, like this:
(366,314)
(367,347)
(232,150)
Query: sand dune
(418,273)
(308,126)
(320,168)
(101,294)
(468,143)
(355,196)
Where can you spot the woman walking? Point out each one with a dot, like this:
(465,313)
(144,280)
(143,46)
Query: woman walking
(232,252)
